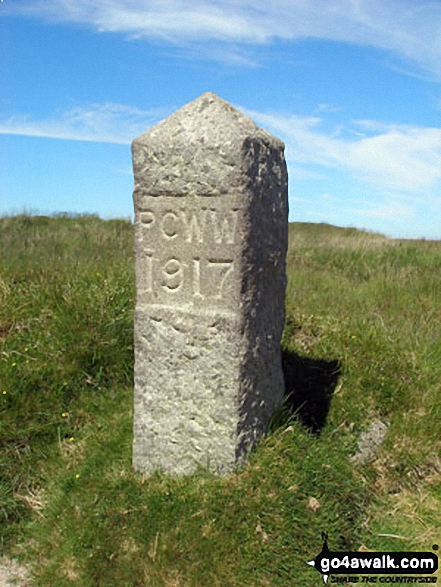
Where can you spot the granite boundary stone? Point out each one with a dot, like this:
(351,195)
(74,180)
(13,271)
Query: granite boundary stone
(211,232)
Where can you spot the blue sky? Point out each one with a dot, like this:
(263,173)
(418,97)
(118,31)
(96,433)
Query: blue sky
(351,86)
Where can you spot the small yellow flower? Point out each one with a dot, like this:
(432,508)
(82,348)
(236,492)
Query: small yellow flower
(64,415)
(71,439)
(13,364)
(26,349)
(4,392)
(77,476)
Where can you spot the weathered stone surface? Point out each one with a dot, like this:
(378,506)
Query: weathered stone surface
(210,240)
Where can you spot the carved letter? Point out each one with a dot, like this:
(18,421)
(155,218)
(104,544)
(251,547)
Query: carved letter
(147,218)
(224,225)
(194,227)
(167,228)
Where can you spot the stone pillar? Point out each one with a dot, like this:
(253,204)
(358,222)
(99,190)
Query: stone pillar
(210,241)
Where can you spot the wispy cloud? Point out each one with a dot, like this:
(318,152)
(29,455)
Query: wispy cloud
(403,158)
(392,158)
(408,29)
(103,123)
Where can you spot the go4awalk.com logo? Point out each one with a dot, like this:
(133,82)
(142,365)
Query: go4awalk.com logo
(402,565)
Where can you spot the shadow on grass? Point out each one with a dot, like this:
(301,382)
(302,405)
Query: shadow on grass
(309,385)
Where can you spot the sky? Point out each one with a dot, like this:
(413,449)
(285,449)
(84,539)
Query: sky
(353,88)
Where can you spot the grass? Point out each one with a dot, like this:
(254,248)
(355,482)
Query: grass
(70,502)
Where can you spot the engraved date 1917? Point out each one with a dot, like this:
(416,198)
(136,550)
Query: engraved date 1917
(202,278)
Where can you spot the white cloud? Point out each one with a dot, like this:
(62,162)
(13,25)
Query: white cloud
(406,28)
(402,158)
(390,157)
(104,123)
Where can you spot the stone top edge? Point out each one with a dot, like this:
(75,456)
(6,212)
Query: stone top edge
(200,116)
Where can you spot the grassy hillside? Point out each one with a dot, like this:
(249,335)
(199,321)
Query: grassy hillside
(362,344)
